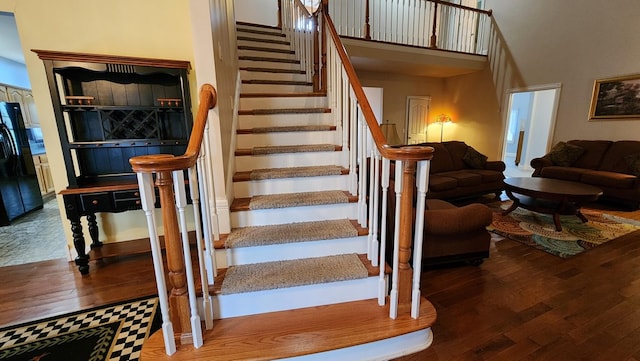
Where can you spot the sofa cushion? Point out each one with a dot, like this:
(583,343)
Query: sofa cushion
(439,183)
(564,154)
(445,219)
(457,149)
(593,152)
(633,161)
(464,178)
(474,159)
(564,173)
(488,176)
(441,161)
(614,161)
(608,179)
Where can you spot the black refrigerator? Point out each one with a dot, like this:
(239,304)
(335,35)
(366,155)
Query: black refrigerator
(19,190)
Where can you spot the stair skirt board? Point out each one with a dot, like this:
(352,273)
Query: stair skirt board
(253,303)
(245,189)
(283,102)
(268,139)
(283,160)
(290,251)
(264,217)
(382,350)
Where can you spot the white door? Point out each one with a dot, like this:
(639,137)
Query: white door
(417,119)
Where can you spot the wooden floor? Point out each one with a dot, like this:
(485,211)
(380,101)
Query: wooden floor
(519,304)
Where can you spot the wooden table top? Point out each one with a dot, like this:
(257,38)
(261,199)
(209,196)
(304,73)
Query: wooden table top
(537,186)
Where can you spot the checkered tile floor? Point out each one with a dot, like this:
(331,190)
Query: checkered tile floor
(135,324)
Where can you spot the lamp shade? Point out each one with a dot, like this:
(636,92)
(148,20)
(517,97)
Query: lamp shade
(390,133)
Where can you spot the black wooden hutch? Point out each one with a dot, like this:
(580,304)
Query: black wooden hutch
(109,109)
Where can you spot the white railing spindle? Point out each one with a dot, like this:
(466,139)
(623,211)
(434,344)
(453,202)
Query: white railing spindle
(422,183)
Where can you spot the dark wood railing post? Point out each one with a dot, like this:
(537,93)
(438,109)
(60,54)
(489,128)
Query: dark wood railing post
(367,27)
(280,14)
(405,272)
(178,297)
(433,39)
(316,53)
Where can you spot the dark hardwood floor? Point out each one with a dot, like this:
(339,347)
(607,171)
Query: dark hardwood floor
(520,304)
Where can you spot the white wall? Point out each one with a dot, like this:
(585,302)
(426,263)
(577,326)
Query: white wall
(568,42)
(263,12)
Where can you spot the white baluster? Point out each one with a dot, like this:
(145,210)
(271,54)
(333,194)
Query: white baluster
(376,211)
(393,304)
(147,200)
(422,182)
(181,203)
(382,283)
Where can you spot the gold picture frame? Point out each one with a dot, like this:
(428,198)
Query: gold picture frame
(616,98)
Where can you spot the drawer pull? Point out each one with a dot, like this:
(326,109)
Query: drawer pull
(95,201)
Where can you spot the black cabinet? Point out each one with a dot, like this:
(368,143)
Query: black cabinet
(109,109)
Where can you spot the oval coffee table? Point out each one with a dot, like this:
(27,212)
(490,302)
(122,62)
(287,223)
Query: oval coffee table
(549,196)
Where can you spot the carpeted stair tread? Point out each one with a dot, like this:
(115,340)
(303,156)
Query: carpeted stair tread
(269,50)
(272,70)
(269,41)
(300,272)
(283,95)
(272,201)
(287,129)
(268,59)
(289,149)
(290,233)
(291,172)
(276,82)
(284,111)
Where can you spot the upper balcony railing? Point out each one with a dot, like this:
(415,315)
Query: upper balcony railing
(431,24)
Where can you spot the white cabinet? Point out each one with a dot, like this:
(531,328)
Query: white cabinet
(27,104)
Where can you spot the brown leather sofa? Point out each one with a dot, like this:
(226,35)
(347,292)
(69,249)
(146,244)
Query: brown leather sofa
(459,171)
(613,166)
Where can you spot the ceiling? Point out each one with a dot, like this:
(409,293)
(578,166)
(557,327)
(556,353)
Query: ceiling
(10,47)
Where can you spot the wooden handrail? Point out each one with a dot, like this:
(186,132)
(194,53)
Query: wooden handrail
(482,11)
(413,153)
(167,162)
(305,12)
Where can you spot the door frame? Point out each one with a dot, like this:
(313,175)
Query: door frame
(507,113)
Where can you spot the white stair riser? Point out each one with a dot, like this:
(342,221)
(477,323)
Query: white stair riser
(264,217)
(263,75)
(268,54)
(286,138)
(275,88)
(290,185)
(268,64)
(283,102)
(281,120)
(290,251)
(283,160)
(271,34)
(262,44)
(253,303)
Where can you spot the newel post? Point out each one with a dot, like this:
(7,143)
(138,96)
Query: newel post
(280,14)
(405,272)
(178,298)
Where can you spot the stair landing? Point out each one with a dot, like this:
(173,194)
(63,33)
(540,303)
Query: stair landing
(346,331)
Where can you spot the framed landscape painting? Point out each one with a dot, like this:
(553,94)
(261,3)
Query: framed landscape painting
(616,98)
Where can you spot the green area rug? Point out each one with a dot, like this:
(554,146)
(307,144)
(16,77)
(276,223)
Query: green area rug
(114,332)
(538,231)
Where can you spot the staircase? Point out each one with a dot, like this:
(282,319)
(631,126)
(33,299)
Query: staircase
(294,280)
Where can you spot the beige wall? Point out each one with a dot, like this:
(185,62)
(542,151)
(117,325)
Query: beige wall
(143,28)
(572,43)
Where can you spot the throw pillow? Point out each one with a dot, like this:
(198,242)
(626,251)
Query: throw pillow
(565,154)
(474,159)
(633,161)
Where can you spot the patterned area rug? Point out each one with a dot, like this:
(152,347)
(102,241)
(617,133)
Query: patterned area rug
(113,332)
(538,231)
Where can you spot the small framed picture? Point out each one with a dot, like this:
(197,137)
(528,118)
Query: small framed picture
(616,98)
